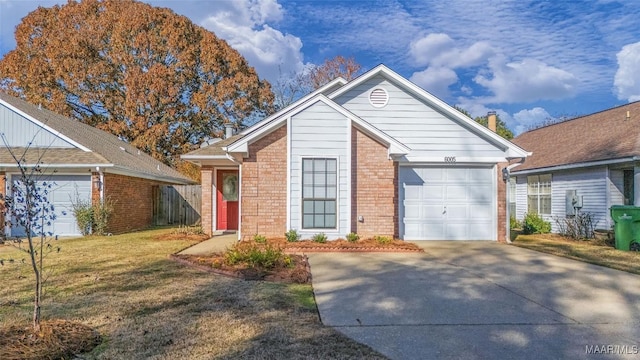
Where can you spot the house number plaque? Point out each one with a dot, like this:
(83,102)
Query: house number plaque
(449,159)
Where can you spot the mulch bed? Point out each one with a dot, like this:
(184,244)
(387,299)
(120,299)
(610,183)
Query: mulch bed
(300,271)
(57,339)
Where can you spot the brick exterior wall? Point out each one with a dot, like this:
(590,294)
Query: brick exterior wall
(132,202)
(264,187)
(208,201)
(374,188)
(502,204)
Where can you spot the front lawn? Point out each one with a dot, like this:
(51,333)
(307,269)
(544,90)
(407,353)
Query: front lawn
(591,251)
(145,305)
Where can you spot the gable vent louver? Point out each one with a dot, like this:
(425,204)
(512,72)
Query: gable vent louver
(378,97)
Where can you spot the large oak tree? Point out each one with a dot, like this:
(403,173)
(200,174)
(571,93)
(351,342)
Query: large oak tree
(143,73)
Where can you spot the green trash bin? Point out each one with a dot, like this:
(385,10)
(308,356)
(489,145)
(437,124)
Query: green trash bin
(626,220)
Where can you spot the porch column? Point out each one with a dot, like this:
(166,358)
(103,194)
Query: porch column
(636,184)
(206,213)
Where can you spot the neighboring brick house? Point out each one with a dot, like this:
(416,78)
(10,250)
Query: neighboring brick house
(85,163)
(593,158)
(377,156)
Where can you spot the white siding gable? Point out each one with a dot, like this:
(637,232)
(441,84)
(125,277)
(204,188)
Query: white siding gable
(20,131)
(320,131)
(410,120)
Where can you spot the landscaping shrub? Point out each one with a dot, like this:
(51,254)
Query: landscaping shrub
(83,212)
(101,213)
(579,226)
(260,239)
(320,238)
(256,256)
(382,239)
(189,230)
(292,235)
(514,223)
(352,237)
(534,224)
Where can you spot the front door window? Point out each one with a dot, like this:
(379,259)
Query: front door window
(230,187)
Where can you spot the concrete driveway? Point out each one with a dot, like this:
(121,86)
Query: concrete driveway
(479,300)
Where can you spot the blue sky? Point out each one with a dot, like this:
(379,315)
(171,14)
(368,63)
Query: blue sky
(528,60)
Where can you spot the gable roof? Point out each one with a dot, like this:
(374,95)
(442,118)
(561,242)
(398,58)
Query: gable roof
(395,147)
(512,150)
(94,147)
(602,136)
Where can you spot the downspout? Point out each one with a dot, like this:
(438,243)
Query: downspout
(507,176)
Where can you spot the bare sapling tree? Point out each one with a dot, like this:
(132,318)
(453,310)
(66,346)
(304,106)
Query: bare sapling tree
(28,208)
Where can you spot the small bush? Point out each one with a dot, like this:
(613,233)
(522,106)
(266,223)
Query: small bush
(352,237)
(320,238)
(579,226)
(382,239)
(534,224)
(101,213)
(256,256)
(514,223)
(292,235)
(260,239)
(83,212)
(189,230)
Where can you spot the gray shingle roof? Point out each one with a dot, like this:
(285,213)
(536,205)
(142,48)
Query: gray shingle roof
(215,148)
(605,135)
(106,148)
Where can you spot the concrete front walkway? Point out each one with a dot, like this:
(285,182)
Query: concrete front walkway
(478,300)
(217,243)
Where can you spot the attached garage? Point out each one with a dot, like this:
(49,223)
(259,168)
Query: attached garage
(447,203)
(65,190)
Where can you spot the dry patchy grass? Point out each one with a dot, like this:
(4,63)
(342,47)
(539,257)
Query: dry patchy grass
(590,251)
(147,306)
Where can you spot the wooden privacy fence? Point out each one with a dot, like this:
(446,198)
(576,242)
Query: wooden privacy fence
(176,205)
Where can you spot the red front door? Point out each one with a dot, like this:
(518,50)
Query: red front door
(227,199)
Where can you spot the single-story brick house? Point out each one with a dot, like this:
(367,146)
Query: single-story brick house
(593,158)
(84,162)
(376,156)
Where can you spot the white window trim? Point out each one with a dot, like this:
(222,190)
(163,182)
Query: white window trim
(537,194)
(301,174)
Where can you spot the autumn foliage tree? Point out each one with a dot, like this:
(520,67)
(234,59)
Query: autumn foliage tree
(291,87)
(143,73)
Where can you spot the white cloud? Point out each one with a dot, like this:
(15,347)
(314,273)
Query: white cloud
(243,24)
(526,118)
(627,78)
(435,80)
(526,81)
(439,50)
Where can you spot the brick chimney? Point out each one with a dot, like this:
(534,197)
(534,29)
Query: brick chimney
(491,120)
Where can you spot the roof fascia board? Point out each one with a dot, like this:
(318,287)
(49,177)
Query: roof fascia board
(202,157)
(515,150)
(293,105)
(44,126)
(127,172)
(576,165)
(61,166)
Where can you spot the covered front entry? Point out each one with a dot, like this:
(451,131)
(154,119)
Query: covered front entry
(447,203)
(63,191)
(227,185)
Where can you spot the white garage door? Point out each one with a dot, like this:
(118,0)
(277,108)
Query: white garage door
(65,189)
(452,203)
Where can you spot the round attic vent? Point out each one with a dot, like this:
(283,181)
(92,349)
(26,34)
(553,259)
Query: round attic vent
(378,97)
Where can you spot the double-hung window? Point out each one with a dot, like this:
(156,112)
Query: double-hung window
(539,194)
(319,193)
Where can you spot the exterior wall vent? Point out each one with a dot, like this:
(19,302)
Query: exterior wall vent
(378,97)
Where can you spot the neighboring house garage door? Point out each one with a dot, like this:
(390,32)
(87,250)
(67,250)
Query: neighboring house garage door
(65,190)
(450,203)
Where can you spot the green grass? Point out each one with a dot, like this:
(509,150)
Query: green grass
(590,251)
(147,306)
